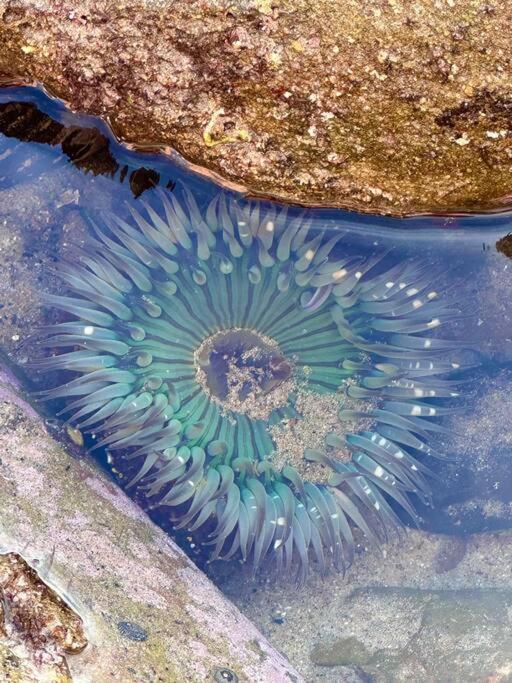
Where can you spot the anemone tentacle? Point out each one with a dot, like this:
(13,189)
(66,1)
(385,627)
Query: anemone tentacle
(192,337)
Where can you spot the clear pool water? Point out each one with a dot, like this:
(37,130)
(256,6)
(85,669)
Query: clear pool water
(62,174)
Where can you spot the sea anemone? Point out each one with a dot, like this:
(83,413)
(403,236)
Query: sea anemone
(274,390)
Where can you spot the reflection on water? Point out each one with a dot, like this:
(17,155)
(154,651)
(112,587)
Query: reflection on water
(85,146)
(287,441)
(504,245)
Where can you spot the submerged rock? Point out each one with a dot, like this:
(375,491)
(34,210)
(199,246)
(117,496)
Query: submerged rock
(447,636)
(428,608)
(37,628)
(340,651)
(395,107)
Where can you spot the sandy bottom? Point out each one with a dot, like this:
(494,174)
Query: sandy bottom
(398,615)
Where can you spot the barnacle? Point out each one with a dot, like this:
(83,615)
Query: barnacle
(196,337)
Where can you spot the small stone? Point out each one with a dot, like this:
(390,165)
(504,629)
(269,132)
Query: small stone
(75,435)
(450,554)
(278,615)
(225,676)
(67,197)
(341,651)
(132,631)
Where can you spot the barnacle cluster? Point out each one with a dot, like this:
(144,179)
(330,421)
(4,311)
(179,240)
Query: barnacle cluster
(194,336)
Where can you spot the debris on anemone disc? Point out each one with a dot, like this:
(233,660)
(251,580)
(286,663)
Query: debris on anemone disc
(198,339)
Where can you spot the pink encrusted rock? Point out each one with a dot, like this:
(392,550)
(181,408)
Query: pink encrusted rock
(387,106)
(149,613)
(10,394)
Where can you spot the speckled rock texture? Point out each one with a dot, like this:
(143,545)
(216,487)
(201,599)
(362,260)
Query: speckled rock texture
(386,106)
(148,613)
(38,630)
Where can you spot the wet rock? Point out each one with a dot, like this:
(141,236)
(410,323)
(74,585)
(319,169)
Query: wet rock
(224,676)
(118,577)
(460,635)
(37,624)
(17,667)
(391,613)
(449,555)
(278,615)
(341,651)
(132,631)
(319,103)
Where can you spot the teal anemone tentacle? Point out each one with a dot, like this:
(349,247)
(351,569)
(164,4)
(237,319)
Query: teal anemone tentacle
(189,336)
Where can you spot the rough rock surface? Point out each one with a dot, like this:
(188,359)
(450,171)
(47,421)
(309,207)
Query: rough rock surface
(148,613)
(386,105)
(446,636)
(37,628)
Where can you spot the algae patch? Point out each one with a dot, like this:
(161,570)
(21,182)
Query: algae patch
(37,628)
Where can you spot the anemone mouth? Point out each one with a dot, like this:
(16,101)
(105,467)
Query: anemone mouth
(255,378)
(245,372)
